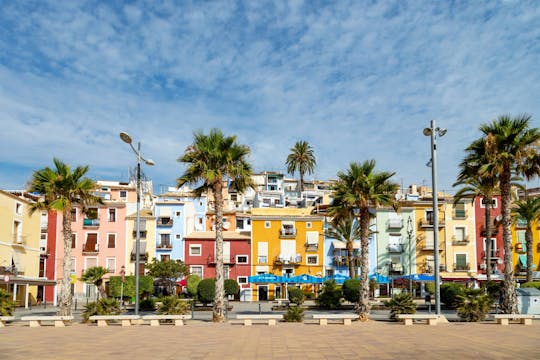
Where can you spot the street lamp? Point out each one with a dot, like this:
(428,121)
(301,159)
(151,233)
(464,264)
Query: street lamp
(127,139)
(410,235)
(433,131)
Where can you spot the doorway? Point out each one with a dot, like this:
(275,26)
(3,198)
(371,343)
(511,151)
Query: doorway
(263,292)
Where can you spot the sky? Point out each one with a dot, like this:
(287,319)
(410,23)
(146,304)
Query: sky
(358,80)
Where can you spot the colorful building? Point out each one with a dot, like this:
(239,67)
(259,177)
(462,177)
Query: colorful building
(497,248)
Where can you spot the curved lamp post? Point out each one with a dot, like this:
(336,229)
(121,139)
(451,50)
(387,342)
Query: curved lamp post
(432,132)
(127,139)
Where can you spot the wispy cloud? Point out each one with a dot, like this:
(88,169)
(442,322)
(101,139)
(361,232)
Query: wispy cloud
(356,80)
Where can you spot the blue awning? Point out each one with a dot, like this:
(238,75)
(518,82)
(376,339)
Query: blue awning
(417,277)
(338,278)
(381,279)
(523,260)
(305,279)
(265,278)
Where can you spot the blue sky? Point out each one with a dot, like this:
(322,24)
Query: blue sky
(358,80)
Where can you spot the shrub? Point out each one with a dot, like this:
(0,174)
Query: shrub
(430,287)
(171,305)
(494,289)
(351,290)
(147,304)
(7,305)
(531,284)
(206,290)
(294,314)
(309,295)
(401,304)
(330,295)
(474,305)
(104,306)
(450,293)
(231,287)
(146,285)
(192,283)
(296,295)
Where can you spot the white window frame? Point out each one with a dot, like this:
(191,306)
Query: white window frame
(239,278)
(267,224)
(493,247)
(115,237)
(73,269)
(464,231)
(312,256)
(197,267)
(494,206)
(18,208)
(247,259)
(86,258)
(193,246)
(123,192)
(107,264)
(74,234)
(109,215)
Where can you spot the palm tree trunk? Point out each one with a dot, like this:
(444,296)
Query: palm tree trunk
(529,244)
(101,289)
(488,238)
(65,288)
(219,298)
(363,304)
(509,300)
(350,257)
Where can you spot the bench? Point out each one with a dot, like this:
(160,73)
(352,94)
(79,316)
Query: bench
(36,321)
(408,319)
(103,320)
(503,319)
(323,318)
(4,319)
(271,319)
(155,319)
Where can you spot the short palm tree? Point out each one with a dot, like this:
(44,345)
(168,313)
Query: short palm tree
(347,230)
(527,210)
(94,275)
(301,159)
(511,149)
(61,189)
(211,160)
(359,191)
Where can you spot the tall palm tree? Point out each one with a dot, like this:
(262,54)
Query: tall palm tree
(61,190)
(210,160)
(347,230)
(358,191)
(301,159)
(527,210)
(94,275)
(511,149)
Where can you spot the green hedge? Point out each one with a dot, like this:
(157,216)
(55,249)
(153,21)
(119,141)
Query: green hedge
(146,285)
(531,284)
(451,294)
(351,290)
(296,295)
(231,287)
(206,290)
(192,283)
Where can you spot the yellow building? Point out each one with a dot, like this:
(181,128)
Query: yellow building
(20,234)
(519,249)
(147,249)
(285,242)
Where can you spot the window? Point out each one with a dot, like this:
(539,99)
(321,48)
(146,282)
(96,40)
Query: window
(262,252)
(111,241)
(493,247)
(165,257)
(73,241)
(196,270)
(241,259)
(165,240)
(41,267)
(461,262)
(18,208)
(200,221)
(240,224)
(112,215)
(287,228)
(262,259)
(308,225)
(267,224)
(90,262)
(177,213)
(225,272)
(74,215)
(329,272)
(249,221)
(485,201)
(312,240)
(312,259)
(195,250)
(123,194)
(111,264)
(521,240)
(242,280)
(177,236)
(429,216)
(459,210)
(91,244)
(459,233)
(73,265)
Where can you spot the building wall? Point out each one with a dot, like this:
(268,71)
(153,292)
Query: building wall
(480,212)
(423,252)
(149,238)
(520,270)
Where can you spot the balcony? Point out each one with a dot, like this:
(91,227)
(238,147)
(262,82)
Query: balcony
(430,246)
(428,223)
(287,233)
(521,223)
(90,223)
(494,231)
(344,261)
(462,267)
(90,249)
(288,260)
(142,234)
(495,255)
(164,221)
(19,240)
(164,246)
(394,223)
(460,240)
(396,268)
(395,248)
(211,260)
(142,256)
(458,214)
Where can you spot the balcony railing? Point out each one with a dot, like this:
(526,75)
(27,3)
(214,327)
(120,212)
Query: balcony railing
(495,254)
(425,223)
(231,260)
(287,233)
(344,261)
(91,223)
(395,248)
(462,267)
(431,246)
(459,214)
(520,223)
(19,240)
(165,221)
(460,241)
(395,223)
(164,246)
(396,268)
(290,260)
(90,250)
(142,257)
(142,234)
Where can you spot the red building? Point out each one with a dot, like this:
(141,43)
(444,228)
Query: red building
(200,255)
(497,249)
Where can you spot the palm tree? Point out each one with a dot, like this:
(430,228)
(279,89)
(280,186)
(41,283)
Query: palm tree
(347,231)
(301,159)
(357,192)
(212,159)
(511,149)
(61,190)
(527,210)
(94,275)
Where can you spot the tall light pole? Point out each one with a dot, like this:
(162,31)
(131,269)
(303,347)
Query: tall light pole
(127,139)
(432,132)
(410,235)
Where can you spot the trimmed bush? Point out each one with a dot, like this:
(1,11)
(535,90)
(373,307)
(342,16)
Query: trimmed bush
(192,283)
(171,305)
(474,305)
(146,285)
(330,296)
(206,291)
(401,304)
(104,306)
(294,314)
(430,287)
(351,290)
(231,287)
(450,293)
(7,305)
(296,295)
(147,304)
(531,284)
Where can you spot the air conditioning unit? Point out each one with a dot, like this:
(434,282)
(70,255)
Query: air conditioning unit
(483,266)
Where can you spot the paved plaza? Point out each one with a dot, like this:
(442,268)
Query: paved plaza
(205,340)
